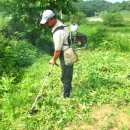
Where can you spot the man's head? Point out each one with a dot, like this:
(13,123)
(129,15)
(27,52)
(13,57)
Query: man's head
(48,17)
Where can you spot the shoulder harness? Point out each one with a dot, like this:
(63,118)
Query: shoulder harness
(61,28)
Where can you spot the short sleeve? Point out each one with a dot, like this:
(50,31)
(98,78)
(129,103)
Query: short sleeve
(58,39)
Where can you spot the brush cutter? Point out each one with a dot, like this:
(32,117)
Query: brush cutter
(33,110)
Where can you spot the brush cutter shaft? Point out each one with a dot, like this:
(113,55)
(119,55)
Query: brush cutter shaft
(39,94)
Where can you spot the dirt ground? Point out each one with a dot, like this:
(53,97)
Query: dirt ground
(106,118)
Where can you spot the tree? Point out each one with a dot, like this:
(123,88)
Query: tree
(23,27)
(128,6)
(115,7)
(89,7)
(26,15)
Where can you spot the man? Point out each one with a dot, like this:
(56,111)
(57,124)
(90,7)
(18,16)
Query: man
(60,38)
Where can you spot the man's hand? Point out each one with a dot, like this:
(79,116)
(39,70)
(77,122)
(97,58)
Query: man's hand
(54,58)
(52,61)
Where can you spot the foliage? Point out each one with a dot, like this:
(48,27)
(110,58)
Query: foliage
(97,37)
(78,18)
(106,38)
(90,7)
(15,55)
(27,14)
(113,19)
(3,23)
(115,7)
(95,7)
(102,79)
(117,41)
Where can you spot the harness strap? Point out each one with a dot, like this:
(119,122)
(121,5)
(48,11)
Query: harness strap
(61,28)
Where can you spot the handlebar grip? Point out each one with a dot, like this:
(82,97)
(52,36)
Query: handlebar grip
(56,64)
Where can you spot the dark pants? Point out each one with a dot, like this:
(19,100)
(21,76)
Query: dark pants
(66,77)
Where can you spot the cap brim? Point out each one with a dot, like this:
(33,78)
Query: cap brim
(43,21)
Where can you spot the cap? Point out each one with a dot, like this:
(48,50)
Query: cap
(47,14)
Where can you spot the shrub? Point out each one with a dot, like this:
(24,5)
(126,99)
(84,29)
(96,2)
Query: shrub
(15,55)
(120,42)
(116,42)
(113,19)
(76,18)
(97,37)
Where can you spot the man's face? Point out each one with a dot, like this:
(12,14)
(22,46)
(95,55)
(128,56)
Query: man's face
(51,22)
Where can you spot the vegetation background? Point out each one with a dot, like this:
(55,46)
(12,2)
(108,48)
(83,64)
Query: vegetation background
(100,99)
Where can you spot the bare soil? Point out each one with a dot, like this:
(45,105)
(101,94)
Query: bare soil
(106,117)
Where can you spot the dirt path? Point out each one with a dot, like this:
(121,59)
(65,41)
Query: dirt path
(106,118)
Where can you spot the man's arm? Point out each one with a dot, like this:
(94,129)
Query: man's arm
(55,57)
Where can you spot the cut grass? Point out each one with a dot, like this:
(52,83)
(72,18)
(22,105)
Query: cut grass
(100,77)
(105,117)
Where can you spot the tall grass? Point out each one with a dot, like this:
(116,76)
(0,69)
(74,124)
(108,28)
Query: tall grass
(100,77)
(104,37)
(123,41)
(123,29)
(117,42)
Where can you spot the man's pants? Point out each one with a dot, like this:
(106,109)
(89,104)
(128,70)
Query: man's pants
(66,77)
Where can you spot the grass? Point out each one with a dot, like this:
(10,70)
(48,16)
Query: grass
(100,78)
(100,98)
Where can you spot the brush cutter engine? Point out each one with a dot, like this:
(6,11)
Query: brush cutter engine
(78,39)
